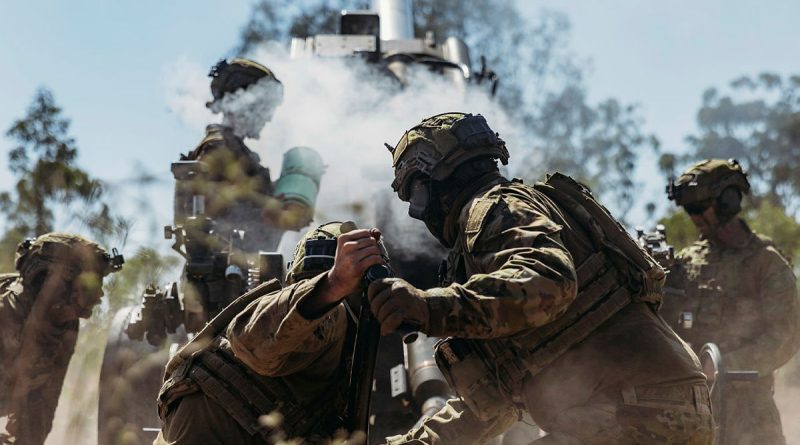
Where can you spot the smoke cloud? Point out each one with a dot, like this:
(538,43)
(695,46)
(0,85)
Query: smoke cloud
(187,91)
(346,111)
(247,110)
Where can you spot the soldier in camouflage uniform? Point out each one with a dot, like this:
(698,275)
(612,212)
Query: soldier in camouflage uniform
(549,305)
(286,356)
(58,280)
(238,190)
(739,292)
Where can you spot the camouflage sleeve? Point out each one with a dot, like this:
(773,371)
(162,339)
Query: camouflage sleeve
(527,276)
(274,339)
(455,423)
(779,338)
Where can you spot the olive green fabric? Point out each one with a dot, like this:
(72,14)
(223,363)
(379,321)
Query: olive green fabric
(39,311)
(744,299)
(285,358)
(751,416)
(604,420)
(228,77)
(433,148)
(514,273)
(200,420)
(707,179)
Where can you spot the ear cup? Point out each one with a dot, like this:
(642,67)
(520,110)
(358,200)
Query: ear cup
(729,203)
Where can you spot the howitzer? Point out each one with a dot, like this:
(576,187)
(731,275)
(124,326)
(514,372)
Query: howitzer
(219,267)
(655,243)
(217,271)
(719,379)
(418,380)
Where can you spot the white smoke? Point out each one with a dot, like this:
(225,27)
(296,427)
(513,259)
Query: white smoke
(247,110)
(186,87)
(346,111)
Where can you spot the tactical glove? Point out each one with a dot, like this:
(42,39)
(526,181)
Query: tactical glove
(395,301)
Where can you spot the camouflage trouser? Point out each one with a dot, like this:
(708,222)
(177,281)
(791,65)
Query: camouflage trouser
(649,415)
(660,415)
(750,415)
(199,420)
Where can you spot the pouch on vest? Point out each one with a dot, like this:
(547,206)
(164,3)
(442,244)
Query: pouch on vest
(467,374)
(609,235)
(485,373)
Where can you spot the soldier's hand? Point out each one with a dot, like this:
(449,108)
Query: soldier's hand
(395,301)
(356,251)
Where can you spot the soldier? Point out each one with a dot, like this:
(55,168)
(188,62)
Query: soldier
(549,305)
(238,191)
(231,192)
(739,292)
(59,279)
(285,356)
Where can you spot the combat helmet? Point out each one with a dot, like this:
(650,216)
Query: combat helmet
(316,251)
(439,144)
(228,77)
(717,182)
(69,253)
(311,259)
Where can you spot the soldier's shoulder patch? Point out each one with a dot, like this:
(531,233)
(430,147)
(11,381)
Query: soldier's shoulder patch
(476,219)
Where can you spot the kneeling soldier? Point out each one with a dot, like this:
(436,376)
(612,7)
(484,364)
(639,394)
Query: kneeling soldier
(549,305)
(281,368)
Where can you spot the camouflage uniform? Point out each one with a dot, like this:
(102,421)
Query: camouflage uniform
(57,283)
(271,359)
(519,265)
(238,191)
(744,299)
(237,188)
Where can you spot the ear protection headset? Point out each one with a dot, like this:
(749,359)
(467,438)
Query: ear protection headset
(728,203)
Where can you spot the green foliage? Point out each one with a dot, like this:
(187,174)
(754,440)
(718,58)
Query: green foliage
(680,229)
(758,123)
(49,183)
(8,246)
(767,219)
(277,20)
(541,82)
(772,220)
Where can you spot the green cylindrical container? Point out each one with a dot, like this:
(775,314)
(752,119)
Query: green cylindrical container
(301,172)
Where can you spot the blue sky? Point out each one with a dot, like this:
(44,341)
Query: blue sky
(106,62)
